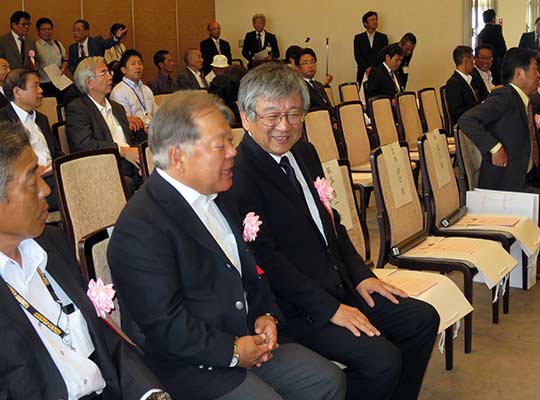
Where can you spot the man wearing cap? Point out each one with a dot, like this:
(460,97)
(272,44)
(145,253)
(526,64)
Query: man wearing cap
(219,64)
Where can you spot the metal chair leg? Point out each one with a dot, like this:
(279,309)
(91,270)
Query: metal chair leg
(449,348)
(468,291)
(494,307)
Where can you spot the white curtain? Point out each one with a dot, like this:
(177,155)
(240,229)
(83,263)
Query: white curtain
(478,7)
(533,12)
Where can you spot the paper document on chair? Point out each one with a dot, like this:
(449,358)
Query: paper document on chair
(441,159)
(57,78)
(482,201)
(486,220)
(413,286)
(444,295)
(395,162)
(332,172)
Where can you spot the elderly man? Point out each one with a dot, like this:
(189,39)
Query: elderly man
(54,346)
(4,70)
(482,80)
(332,302)
(189,283)
(213,45)
(219,66)
(503,130)
(25,95)
(259,40)
(93,122)
(192,78)
(407,44)
(16,47)
(163,83)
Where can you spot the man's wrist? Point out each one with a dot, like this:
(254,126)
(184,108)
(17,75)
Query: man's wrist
(236,356)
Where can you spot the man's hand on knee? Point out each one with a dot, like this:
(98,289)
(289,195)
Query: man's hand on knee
(352,319)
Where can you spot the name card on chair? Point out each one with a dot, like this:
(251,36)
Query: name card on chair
(333,173)
(395,162)
(441,159)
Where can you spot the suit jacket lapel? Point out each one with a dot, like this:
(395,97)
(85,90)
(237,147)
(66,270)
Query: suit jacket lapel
(103,127)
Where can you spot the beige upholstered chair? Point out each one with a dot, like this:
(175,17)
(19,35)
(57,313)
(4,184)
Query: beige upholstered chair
(146,159)
(160,98)
(48,107)
(238,135)
(90,191)
(429,109)
(330,95)
(59,130)
(353,125)
(469,159)
(349,91)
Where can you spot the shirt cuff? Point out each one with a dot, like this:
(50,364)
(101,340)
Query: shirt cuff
(495,148)
(147,394)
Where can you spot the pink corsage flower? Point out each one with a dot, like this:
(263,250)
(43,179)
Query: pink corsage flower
(31,53)
(537,120)
(325,190)
(101,296)
(251,226)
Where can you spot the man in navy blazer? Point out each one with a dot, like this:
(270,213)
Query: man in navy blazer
(333,302)
(531,40)
(383,80)
(16,47)
(258,40)
(87,46)
(187,280)
(367,44)
(214,45)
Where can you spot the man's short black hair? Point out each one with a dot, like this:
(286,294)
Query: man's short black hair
(291,52)
(516,58)
(159,57)
(536,20)
(85,24)
(367,15)
(304,51)
(17,16)
(488,15)
(393,50)
(409,37)
(483,46)
(459,54)
(42,21)
(127,54)
(115,27)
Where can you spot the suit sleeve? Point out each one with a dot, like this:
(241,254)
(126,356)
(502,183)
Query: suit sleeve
(475,122)
(183,82)
(227,52)
(246,51)
(523,41)
(357,50)
(275,48)
(105,44)
(456,106)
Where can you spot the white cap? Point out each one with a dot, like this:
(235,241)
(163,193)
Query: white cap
(219,61)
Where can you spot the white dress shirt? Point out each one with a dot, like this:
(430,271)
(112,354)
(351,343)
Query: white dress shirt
(18,41)
(486,77)
(37,139)
(115,128)
(371,38)
(393,76)
(80,374)
(216,43)
(468,79)
(136,98)
(85,45)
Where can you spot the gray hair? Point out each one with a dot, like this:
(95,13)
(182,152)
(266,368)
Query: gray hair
(257,16)
(174,122)
(270,81)
(85,70)
(13,140)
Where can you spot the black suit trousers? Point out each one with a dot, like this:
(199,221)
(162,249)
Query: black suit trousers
(390,366)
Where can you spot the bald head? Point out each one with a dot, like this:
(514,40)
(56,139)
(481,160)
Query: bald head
(214,29)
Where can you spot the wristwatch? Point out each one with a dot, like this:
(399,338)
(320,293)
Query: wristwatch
(159,396)
(235,357)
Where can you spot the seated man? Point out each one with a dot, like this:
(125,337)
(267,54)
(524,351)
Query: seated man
(407,44)
(192,78)
(482,80)
(54,346)
(4,70)
(306,62)
(25,95)
(189,283)
(332,302)
(219,66)
(382,79)
(163,83)
(460,94)
(93,122)
(136,98)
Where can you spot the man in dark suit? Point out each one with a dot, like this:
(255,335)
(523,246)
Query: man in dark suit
(87,46)
(202,304)
(502,127)
(492,34)
(460,94)
(93,122)
(367,44)
(192,78)
(407,44)
(482,80)
(259,40)
(54,346)
(306,62)
(531,40)
(213,45)
(383,79)
(4,70)
(16,47)
(24,96)
(333,303)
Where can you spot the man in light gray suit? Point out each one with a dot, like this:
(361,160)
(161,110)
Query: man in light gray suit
(16,47)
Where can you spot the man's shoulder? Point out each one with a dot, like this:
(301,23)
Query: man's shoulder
(5,38)
(53,237)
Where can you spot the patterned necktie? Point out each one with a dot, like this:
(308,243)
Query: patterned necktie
(22,48)
(319,89)
(396,85)
(83,54)
(285,164)
(259,41)
(532,131)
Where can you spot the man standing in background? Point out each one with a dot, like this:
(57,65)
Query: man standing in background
(213,45)
(258,40)
(492,34)
(367,44)
(16,47)
(51,52)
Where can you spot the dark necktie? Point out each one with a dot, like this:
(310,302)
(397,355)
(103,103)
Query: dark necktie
(285,164)
(22,48)
(319,90)
(537,41)
(83,54)
(532,131)
(396,85)
(259,41)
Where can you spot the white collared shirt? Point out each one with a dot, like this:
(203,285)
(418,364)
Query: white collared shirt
(80,374)
(468,78)
(136,98)
(115,128)
(216,43)
(393,76)
(371,38)
(37,139)
(198,76)
(17,41)
(486,77)
(211,216)
(313,210)
(85,45)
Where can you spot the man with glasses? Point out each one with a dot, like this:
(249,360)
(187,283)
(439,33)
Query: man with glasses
(332,302)
(93,122)
(482,79)
(306,62)
(16,47)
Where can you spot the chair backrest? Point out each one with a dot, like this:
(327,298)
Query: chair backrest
(401,215)
(146,159)
(319,132)
(353,125)
(429,109)
(61,112)
(93,262)
(48,107)
(382,119)
(237,61)
(469,159)
(447,120)
(349,91)
(59,130)
(441,192)
(91,191)
(160,98)
(330,95)
(410,124)
(238,135)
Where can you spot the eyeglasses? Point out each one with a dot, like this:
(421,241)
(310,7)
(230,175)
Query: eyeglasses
(485,58)
(78,30)
(271,120)
(25,24)
(308,62)
(110,72)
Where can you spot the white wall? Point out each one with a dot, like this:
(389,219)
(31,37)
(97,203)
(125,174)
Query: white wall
(514,15)
(438,26)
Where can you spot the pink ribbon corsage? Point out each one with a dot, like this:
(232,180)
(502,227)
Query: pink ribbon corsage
(101,296)
(326,193)
(537,120)
(32,55)
(251,226)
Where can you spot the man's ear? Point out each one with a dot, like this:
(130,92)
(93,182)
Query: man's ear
(245,120)
(177,158)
